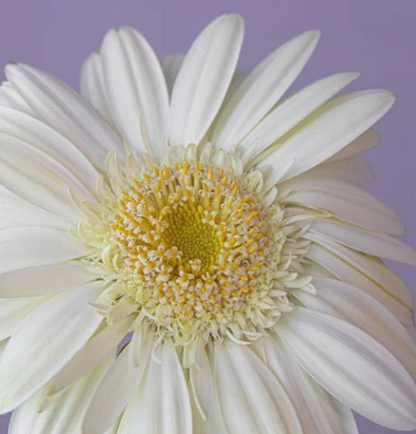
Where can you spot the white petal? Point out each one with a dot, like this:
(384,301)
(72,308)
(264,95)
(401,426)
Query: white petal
(292,111)
(14,311)
(37,134)
(355,306)
(45,342)
(3,345)
(262,88)
(64,110)
(38,178)
(352,366)
(347,202)
(204,78)
(92,354)
(92,86)
(44,279)
(368,266)
(347,272)
(65,415)
(354,170)
(170,66)
(365,142)
(116,390)
(318,412)
(161,404)
(17,212)
(32,247)
(330,129)
(9,97)
(250,397)
(201,379)
(136,89)
(371,243)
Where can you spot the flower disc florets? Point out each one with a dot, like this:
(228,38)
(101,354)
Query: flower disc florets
(193,246)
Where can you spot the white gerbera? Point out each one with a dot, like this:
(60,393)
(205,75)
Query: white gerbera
(226,230)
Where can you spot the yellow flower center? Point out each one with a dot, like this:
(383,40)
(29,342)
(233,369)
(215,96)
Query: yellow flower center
(190,242)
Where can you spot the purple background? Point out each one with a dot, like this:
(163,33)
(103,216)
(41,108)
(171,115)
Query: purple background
(375,37)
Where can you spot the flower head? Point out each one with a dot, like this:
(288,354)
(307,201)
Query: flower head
(223,229)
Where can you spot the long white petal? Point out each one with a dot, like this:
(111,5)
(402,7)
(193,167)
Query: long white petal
(16,212)
(116,389)
(355,306)
(262,88)
(204,78)
(389,297)
(368,140)
(171,65)
(92,354)
(319,413)
(32,247)
(347,202)
(37,134)
(202,384)
(92,86)
(329,129)
(63,109)
(9,97)
(250,397)
(45,342)
(44,279)
(161,404)
(371,243)
(352,366)
(14,311)
(136,89)
(292,111)
(38,178)
(65,415)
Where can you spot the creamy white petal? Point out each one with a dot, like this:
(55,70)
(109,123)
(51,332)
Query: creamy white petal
(32,247)
(92,86)
(371,267)
(352,366)
(261,89)
(9,97)
(3,345)
(161,405)
(14,311)
(291,111)
(116,389)
(44,279)
(170,66)
(354,170)
(328,130)
(250,397)
(371,243)
(355,306)
(368,140)
(37,134)
(136,89)
(92,354)
(66,413)
(319,413)
(44,342)
(64,110)
(342,270)
(38,178)
(347,202)
(17,212)
(202,384)
(204,78)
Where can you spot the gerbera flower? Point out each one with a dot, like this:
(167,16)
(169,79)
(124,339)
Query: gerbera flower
(224,227)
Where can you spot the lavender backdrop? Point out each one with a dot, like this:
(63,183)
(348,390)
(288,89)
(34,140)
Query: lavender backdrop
(375,37)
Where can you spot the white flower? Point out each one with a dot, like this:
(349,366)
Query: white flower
(221,224)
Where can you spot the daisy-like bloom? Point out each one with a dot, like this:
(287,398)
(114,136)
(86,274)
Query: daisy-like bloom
(219,226)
